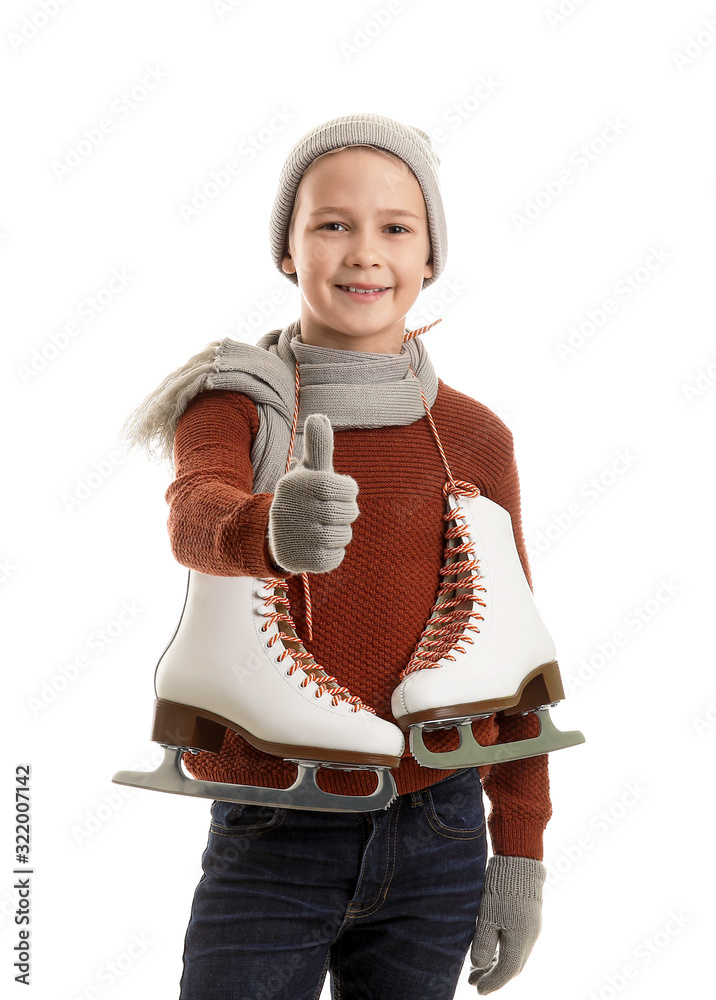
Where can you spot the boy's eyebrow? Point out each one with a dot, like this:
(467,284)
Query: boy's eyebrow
(338,209)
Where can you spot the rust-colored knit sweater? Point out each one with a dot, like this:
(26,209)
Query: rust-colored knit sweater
(369,613)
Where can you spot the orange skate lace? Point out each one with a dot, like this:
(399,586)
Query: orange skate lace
(434,644)
(324,680)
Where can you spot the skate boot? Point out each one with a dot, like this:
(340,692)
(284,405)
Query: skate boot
(508,660)
(235,662)
(485,649)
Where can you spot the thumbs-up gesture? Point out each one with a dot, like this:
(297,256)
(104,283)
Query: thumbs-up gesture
(313,507)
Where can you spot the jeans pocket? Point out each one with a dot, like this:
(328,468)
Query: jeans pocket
(232,819)
(454,807)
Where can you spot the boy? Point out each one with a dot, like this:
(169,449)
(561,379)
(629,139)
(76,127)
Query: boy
(388,900)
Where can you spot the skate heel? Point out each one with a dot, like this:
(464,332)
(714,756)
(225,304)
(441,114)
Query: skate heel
(179,728)
(183,726)
(544,687)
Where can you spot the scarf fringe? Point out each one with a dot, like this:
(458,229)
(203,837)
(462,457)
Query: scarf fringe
(152,425)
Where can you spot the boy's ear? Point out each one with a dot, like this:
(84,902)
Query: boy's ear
(287,265)
(429,269)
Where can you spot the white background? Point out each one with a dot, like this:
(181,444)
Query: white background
(630,843)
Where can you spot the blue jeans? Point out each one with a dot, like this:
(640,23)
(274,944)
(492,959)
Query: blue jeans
(386,901)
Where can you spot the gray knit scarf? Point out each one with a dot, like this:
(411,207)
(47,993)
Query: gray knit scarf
(353,388)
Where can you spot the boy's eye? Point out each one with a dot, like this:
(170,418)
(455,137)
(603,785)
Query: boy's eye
(395,226)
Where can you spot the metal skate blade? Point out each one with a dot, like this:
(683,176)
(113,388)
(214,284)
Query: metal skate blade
(471,754)
(304,793)
(455,721)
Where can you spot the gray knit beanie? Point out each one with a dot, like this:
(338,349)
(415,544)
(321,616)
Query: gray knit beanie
(410,144)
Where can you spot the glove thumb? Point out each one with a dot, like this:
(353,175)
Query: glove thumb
(484,944)
(317,443)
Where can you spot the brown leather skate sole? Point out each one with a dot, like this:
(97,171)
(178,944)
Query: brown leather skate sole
(541,686)
(185,726)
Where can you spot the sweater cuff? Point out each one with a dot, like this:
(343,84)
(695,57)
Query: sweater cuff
(252,538)
(516,839)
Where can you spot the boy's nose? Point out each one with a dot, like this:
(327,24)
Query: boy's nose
(364,252)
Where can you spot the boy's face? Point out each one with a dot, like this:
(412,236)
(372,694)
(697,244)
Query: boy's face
(375,235)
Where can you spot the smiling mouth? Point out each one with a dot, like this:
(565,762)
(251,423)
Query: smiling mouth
(353,290)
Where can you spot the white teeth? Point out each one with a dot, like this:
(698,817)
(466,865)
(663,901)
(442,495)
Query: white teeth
(362,290)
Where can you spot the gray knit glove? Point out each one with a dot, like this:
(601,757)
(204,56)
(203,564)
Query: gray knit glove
(511,914)
(313,507)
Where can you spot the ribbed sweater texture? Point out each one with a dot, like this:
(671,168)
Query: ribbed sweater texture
(369,613)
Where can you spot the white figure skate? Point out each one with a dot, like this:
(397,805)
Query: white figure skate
(235,662)
(511,664)
(489,653)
